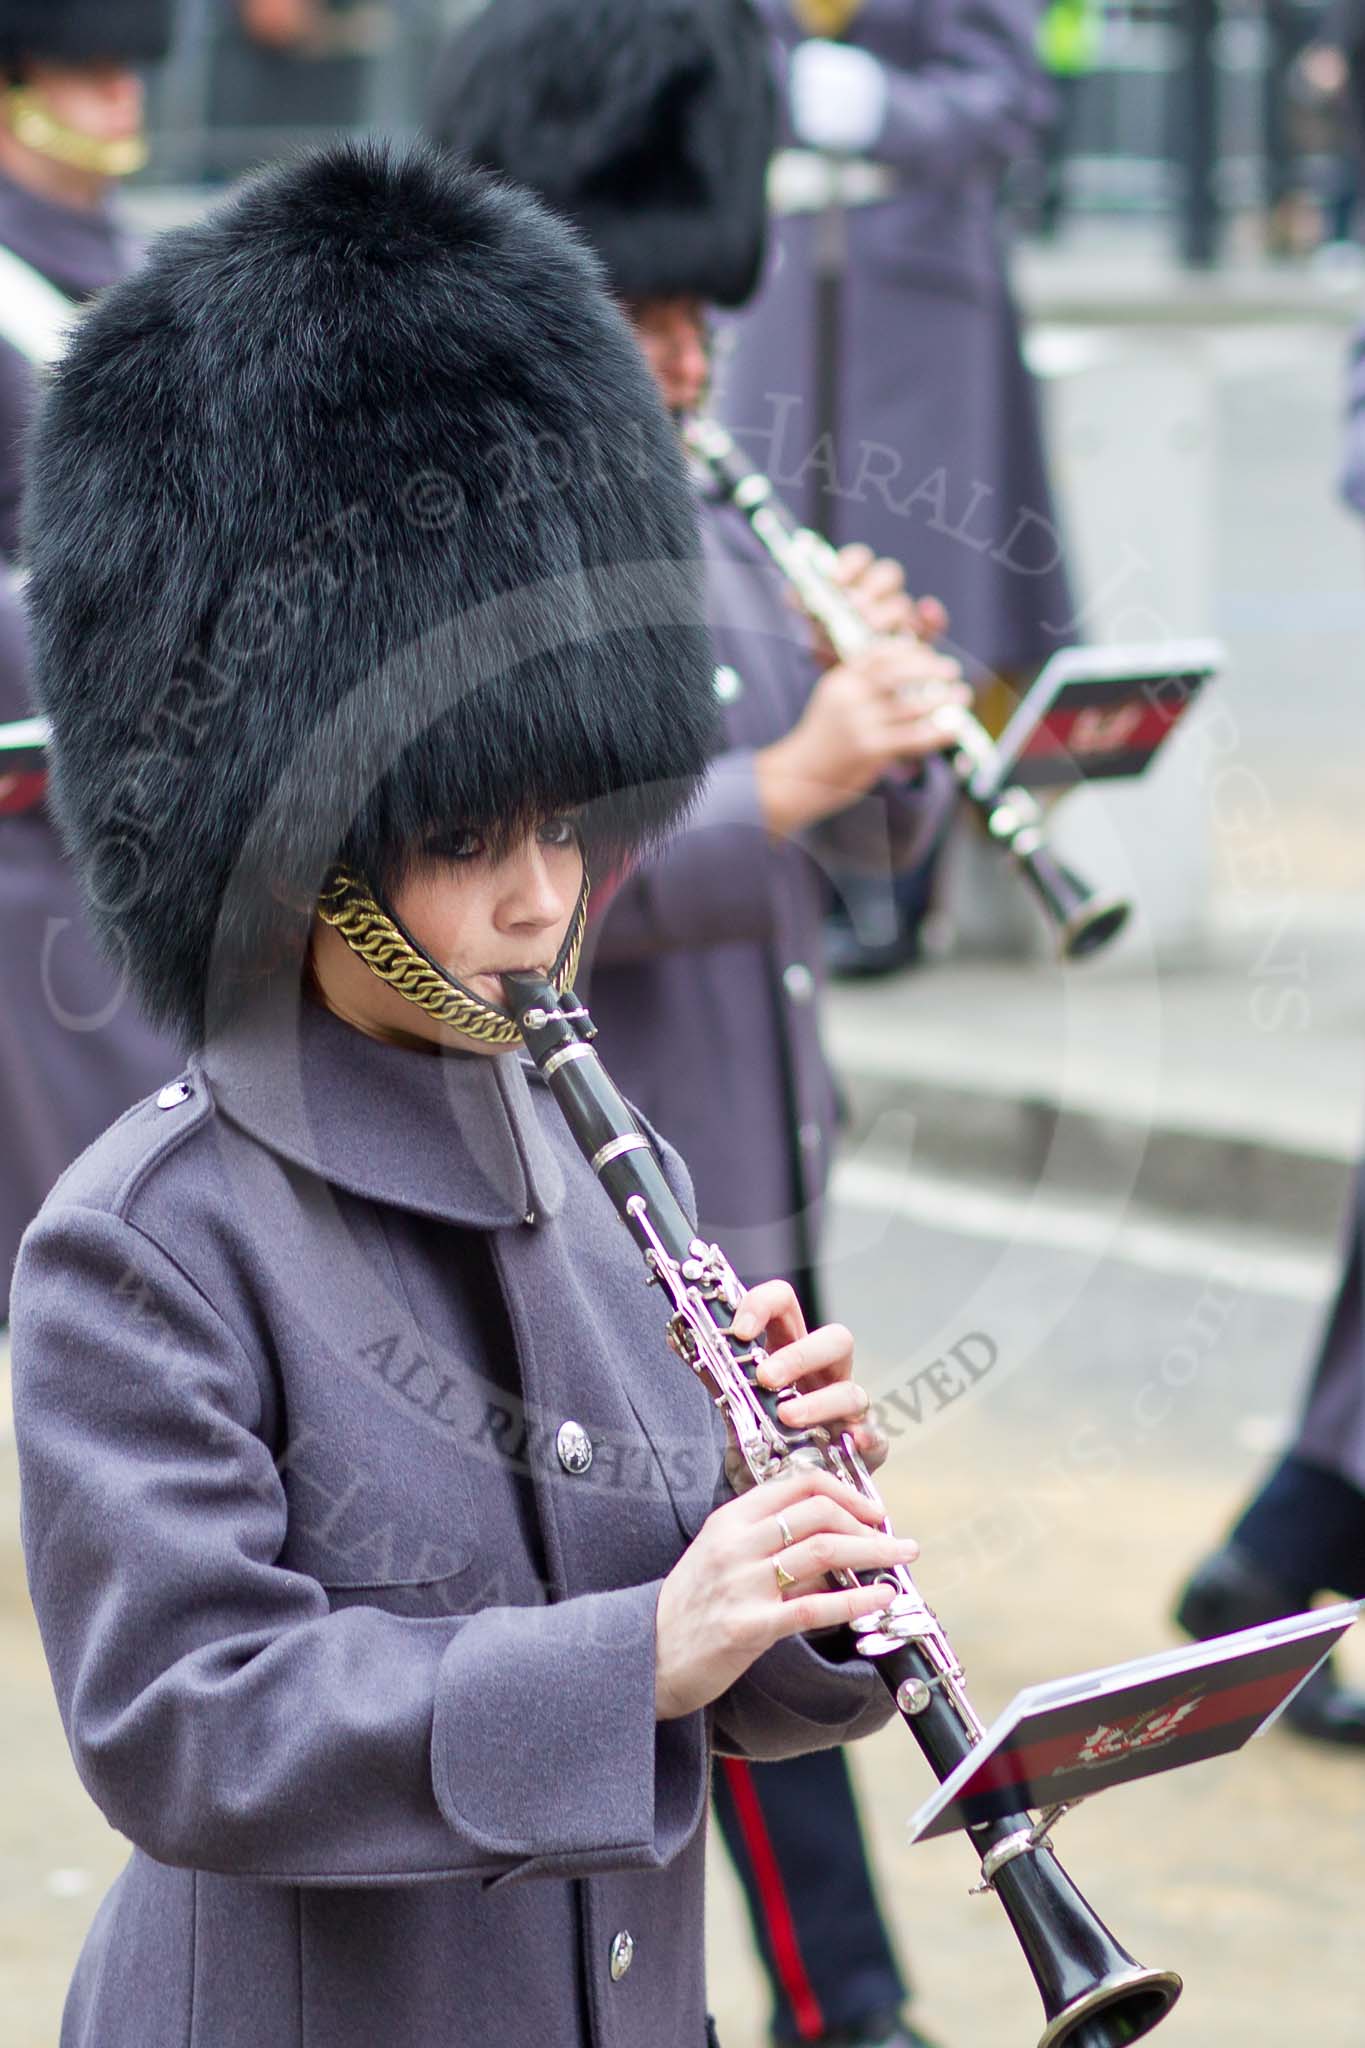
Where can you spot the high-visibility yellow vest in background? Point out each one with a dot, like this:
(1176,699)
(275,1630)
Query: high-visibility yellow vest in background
(1069,37)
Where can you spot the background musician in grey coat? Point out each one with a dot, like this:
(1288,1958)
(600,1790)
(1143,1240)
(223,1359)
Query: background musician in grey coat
(906,125)
(371,1529)
(1303,1532)
(706,959)
(74,1051)
(878,377)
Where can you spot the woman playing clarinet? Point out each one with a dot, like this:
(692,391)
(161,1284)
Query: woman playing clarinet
(378,1563)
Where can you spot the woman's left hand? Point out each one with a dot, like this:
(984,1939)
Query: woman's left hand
(817,1362)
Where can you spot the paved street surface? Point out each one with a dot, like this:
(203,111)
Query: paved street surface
(1058,1503)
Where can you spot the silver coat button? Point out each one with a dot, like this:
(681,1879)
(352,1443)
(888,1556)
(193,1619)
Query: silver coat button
(622,1954)
(798,981)
(574,1446)
(529,1218)
(173,1095)
(808,1137)
(728,684)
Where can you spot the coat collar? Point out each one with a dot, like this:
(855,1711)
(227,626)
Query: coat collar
(466,1137)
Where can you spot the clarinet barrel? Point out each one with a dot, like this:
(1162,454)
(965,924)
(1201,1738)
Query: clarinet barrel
(1094,1994)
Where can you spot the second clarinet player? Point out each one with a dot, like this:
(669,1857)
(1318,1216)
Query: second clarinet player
(706,965)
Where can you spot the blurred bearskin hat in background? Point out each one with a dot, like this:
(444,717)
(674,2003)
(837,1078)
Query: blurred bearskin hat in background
(648,122)
(85,31)
(353,514)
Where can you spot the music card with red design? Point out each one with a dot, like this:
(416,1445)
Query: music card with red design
(23,765)
(1059,1743)
(1096,713)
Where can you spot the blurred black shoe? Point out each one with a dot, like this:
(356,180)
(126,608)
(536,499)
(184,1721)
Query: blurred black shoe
(849,958)
(872,925)
(1326,1710)
(1230,1591)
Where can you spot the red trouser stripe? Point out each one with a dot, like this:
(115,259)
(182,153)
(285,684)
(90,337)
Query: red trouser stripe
(772,1897)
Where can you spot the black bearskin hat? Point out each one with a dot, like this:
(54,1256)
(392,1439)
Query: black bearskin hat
(353,515)
(85,31)
(648,122)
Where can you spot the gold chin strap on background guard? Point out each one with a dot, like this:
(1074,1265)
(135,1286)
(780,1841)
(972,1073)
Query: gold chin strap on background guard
(348,904)
(826,17)
(38,128)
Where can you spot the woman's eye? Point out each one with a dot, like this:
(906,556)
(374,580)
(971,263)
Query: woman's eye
(558,832)
(456,845)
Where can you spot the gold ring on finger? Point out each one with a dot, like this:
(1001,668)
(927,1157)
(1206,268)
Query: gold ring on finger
(785,1526)
(785,1579)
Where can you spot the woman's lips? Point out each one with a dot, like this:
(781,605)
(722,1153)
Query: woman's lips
(489,982)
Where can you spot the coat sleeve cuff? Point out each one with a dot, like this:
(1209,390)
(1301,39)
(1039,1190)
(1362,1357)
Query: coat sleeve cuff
(570,1687)
(796,1699)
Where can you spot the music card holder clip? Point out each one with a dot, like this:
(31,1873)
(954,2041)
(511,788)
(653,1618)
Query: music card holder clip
(1060,1743)
(1095,714)
(23,765)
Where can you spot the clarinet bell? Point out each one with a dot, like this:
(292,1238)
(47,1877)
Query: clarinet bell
(1094,1994)
(1094,922)
(1084,919)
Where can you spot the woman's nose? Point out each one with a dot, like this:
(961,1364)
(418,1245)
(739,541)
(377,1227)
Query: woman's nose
(536,894)
(690,354)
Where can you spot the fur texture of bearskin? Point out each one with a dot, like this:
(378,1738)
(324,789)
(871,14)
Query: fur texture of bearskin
(648,122)
(353,515)
(81,31)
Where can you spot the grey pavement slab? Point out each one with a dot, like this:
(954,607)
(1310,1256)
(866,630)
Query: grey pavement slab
(1198,1090)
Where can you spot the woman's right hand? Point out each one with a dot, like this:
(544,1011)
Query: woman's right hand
(721,1606)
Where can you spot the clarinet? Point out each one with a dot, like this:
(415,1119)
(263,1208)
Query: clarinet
(1085,921)
(1094,1994)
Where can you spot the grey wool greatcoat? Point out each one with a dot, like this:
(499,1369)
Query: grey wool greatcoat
(74,1051)
(938,458)
(363,1671)
(706,968)
(1332,1432)
(1353,462)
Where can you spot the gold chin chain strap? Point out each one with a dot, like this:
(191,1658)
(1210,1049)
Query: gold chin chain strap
(38,128)
(825,17)
(376,937)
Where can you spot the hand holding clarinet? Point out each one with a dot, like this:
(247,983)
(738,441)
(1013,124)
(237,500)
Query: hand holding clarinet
(877,710)
(758,1569)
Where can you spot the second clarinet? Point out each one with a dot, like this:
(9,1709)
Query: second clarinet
(1085,920)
